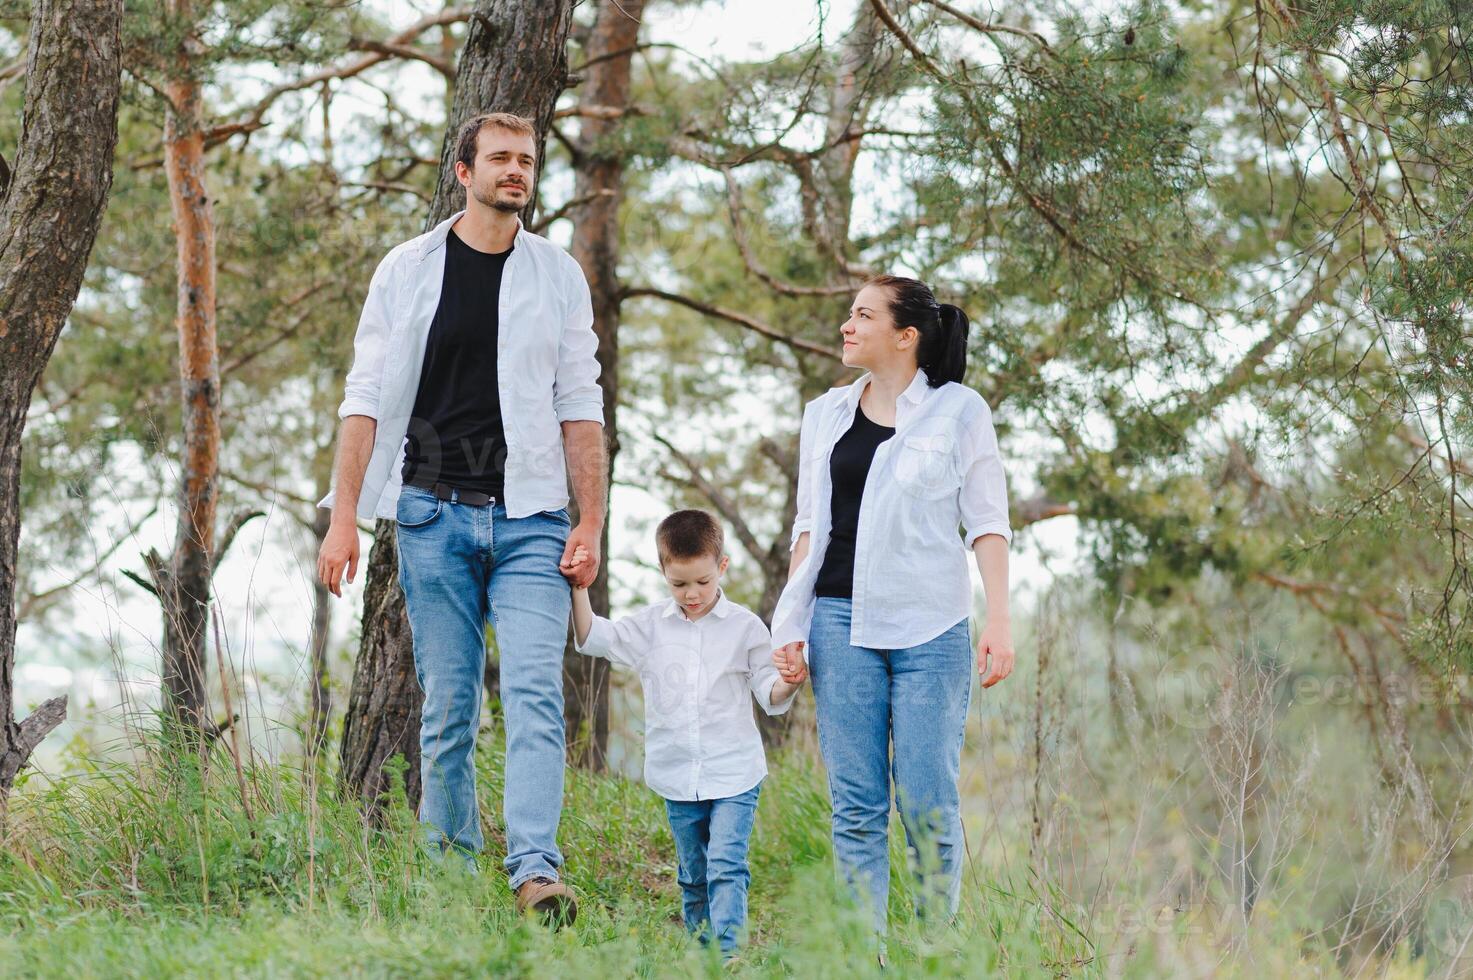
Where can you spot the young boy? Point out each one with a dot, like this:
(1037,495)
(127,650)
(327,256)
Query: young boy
(701,658)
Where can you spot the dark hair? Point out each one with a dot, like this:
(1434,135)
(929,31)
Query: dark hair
(689,534)
(942,352)
(470,132)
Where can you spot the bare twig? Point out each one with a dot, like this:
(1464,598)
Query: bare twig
(241,518)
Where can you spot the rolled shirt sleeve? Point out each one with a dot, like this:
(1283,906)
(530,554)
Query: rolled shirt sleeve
(370,346)
(576,395)
(984,488)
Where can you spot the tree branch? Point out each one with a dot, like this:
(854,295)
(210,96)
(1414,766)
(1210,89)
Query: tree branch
(406,51)
(38,725)
(29,605)
(568,206)
(741,319)
(301,296)
(987,27)
(142,582)
(739,235)
(1039,508)
(784,459)
(241,518)
(604,112)
(253,118)
(723,503)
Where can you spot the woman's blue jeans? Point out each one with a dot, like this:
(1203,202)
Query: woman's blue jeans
(898,714)
(461,565)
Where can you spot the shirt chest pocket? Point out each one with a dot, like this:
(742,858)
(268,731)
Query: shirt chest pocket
(926,466)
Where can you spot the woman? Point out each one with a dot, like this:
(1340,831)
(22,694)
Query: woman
(878,592)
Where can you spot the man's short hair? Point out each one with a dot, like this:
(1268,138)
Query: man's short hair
(465,148)
(689,534)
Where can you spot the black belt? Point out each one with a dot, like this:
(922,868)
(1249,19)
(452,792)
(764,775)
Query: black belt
(445,491)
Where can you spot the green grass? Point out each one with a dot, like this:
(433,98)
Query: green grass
(160,871)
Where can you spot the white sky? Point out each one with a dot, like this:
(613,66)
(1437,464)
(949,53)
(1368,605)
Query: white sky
(264,586)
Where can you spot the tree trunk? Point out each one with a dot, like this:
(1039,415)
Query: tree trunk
(849,102)
(382,720)
(600,183)
(514,60)
(183,583)
(49,215)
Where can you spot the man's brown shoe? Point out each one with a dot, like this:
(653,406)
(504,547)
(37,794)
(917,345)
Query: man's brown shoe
(550,899)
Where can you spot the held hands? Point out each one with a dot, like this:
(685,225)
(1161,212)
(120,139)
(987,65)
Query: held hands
(581,556)
(995,645)
(571,566)
(791,666)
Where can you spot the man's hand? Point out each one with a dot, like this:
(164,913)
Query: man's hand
(995,645)
(339,550)
(581,556)
(790,664)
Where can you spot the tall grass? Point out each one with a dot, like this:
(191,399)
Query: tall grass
(164,869)
(1195,795)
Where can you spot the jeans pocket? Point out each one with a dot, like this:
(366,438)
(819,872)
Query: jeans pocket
(416,509)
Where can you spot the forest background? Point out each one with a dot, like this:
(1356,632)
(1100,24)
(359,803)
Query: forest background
(1216,257)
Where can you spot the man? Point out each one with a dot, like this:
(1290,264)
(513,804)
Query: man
(474,373)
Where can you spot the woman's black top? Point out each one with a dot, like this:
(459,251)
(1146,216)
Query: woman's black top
(848,466)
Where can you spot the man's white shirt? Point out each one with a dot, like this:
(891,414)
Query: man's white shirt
(546,365)
(938,474)
(700,737)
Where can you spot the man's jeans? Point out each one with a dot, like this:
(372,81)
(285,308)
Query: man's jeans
(916,700)
(460,565)
(711,844)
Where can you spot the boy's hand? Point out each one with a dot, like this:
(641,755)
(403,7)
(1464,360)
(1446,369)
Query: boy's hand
(790,664)
(570,567)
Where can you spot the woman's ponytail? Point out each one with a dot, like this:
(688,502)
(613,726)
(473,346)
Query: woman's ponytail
(942,352)
(947,360)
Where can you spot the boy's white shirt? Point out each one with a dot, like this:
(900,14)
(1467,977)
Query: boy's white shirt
(701,740)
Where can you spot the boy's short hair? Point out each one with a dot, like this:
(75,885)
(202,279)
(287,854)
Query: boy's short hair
(689,534)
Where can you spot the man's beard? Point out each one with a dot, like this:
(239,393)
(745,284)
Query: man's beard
(493,200)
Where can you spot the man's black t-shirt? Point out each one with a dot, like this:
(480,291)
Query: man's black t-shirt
(848,467)
(455,433)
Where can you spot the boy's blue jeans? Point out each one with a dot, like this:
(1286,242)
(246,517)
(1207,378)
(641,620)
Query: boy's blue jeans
(914,700)
(711,845)
(460,565)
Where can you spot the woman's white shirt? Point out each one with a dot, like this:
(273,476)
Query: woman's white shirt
(940,472)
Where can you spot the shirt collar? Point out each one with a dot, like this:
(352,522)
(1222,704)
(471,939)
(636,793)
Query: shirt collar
(722,608)
(915,392)
(437,235)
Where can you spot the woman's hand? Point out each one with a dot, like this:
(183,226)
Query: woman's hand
(995,652)
(790,664)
